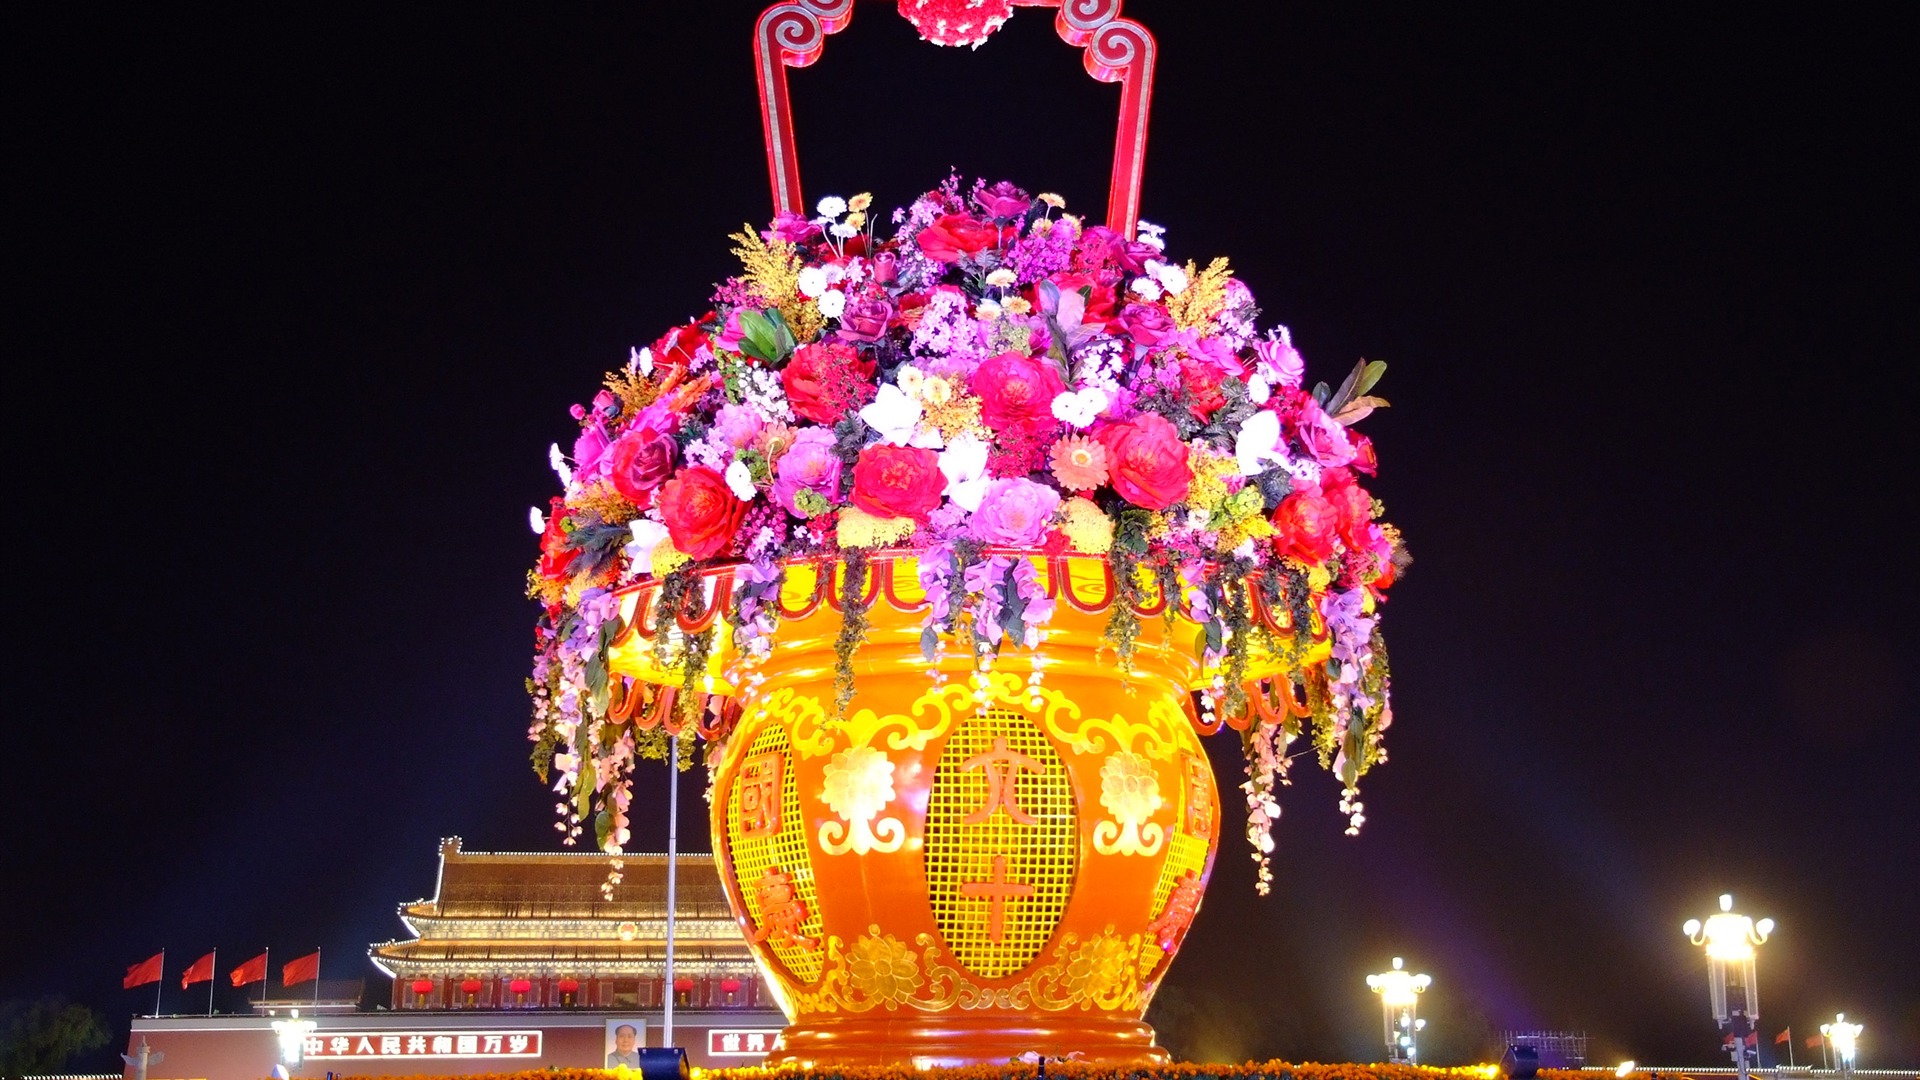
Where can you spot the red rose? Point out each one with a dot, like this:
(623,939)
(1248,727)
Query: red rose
(555,560)
(1202,380)
(701,512)
(1100,296)
(1146,461)
(1016,391)
(824,382)
(642,459)
(952,237)
(1363,455)
(1351,503)
(898,481)
(1307,524)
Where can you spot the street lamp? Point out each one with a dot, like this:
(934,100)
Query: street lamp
(1400,992)
(1729,939)
(1844,1038)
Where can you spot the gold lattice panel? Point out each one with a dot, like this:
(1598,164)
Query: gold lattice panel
(785,850)
(972,866)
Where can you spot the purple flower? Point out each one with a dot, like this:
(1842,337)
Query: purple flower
(792,228)
(1015,513)
(738,425)
(810,465)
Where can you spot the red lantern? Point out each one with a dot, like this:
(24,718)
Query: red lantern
(520,986)
(471,987)
(683,985)
(729,986)
(423,986)
(568,986)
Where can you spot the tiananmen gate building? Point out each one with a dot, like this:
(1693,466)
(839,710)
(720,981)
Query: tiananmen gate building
(518,961)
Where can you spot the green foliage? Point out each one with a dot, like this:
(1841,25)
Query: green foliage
(46,1035)
(764,335)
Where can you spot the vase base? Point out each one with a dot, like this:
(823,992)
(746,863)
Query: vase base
(944,1040)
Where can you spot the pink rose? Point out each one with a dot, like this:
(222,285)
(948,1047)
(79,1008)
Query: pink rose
(1015,513)
(731,334)
(792,228)
(1003,200)
(953,237)
(1323,436)
(809,465)
(1016,391)
(1279,361)
(1148,324)
(589,448)
(867,318)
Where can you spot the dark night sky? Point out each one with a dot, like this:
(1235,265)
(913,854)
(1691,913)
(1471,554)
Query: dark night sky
(302,295)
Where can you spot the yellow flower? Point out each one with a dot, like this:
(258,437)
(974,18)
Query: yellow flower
(856,220)
(860,202)
(1051,199)
(667,559)
(1088,528)
(1019,305)
(861,529)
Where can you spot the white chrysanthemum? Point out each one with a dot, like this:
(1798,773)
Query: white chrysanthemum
(832,303)
(813,281)
(1080,408)
(740,480)
(1173,279)
(1146,288)
(832,206)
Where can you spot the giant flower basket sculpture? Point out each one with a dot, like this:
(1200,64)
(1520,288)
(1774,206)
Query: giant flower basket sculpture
(950,545)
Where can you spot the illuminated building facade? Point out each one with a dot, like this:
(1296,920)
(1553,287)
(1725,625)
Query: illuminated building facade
(537,931)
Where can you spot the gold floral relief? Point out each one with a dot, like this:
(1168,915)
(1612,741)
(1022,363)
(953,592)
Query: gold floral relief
(1130,791)
(857,786)
(1158,736)
(879,971)
(930,716)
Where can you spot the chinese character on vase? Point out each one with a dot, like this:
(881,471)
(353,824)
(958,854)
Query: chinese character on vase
(781,912)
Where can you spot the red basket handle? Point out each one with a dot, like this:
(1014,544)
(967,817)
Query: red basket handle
(792,34)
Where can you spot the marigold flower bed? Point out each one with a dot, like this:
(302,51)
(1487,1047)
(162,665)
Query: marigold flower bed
(1269,1070)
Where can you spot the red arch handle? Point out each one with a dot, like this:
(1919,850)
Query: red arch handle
(792,34)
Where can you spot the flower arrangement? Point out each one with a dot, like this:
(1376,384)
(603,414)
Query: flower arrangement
(995,378)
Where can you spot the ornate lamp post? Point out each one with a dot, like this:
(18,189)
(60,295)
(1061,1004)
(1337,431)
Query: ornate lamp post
(1844,1038)
(1400,991)
(1729,939)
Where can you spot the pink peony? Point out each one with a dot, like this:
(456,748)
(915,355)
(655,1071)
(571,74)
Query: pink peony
(1016,391)
(738,425)
(809,465)
(1015,513)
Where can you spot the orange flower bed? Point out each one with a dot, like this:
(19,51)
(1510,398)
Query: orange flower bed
(1270,1070)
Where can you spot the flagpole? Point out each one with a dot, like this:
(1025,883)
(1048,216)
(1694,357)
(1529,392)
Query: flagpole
(161,984)
(316,979)
(1789,1046)
(673,854)
(213,973)
(266,972)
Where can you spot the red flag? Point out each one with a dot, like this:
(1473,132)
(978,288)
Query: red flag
(1784,1037)
(144,972)
(305,969)
(200,970)
(1813,1042)
(253,971)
